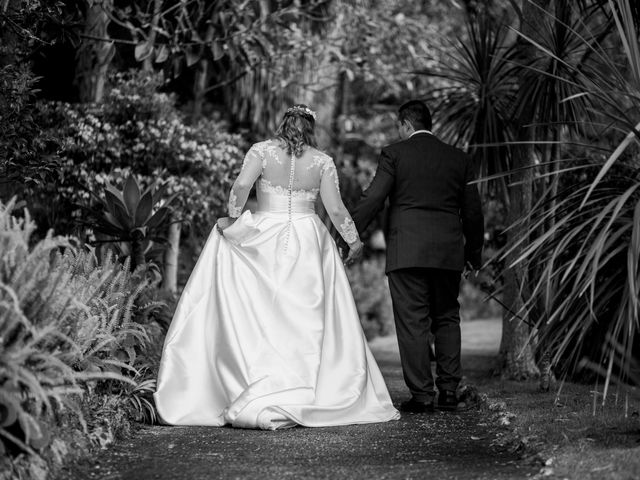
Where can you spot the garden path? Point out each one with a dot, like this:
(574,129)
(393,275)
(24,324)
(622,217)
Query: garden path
(442,446)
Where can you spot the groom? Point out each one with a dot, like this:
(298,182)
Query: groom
(435,229)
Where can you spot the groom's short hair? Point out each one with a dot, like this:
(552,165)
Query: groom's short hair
(417,113)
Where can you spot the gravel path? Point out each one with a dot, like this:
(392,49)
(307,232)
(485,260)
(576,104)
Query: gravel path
(438,446)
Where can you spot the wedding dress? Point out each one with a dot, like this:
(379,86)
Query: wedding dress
(266,332)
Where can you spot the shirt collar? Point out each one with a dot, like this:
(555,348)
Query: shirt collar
(420,131)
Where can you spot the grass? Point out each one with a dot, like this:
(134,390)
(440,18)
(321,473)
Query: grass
(559,429)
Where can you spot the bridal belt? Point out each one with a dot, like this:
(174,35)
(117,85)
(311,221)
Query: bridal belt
(280,204)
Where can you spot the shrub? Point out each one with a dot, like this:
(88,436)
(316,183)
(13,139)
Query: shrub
(138,130)
(71,331)
(27,155)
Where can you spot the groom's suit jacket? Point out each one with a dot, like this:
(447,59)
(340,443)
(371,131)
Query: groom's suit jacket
(435,216)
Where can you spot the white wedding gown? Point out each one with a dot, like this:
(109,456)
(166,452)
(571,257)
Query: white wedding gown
(266,332)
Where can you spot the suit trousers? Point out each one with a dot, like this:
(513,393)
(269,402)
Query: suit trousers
(426,300)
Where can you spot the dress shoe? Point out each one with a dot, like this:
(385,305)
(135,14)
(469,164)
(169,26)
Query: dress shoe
(416,406)
(448,401)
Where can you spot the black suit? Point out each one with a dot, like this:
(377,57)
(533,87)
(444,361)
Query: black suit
(435,225)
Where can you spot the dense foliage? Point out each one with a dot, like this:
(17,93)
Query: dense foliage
(557,99)
(138,130)
(72,330)
(101,100)
(585,247)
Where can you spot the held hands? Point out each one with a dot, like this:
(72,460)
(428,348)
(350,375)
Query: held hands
(355,252)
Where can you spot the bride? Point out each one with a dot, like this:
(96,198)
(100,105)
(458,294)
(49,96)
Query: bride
(266,332)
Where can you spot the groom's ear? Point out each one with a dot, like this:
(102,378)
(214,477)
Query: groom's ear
(405,127)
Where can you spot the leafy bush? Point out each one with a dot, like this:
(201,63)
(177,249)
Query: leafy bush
(138,130)
(71,331)
(27,156)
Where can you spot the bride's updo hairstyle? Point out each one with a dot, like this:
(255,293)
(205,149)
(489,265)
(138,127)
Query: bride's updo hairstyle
(297,129)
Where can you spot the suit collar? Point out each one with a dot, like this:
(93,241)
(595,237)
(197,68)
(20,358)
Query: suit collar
(421,131)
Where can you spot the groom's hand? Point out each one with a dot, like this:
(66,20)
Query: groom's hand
(470,269)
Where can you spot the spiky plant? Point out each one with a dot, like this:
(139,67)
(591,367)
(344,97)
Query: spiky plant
(139,397)
(131,216)
(588,261)
(476,107)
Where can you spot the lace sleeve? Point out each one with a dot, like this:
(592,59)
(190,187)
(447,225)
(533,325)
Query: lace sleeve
(330,194)
(251,170)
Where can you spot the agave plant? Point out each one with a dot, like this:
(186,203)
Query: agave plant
(131,216)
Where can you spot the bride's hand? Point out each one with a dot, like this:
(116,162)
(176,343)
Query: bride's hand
(355,252)
(223,223)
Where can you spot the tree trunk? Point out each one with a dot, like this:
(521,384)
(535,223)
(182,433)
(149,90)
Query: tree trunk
(137,252)
(329,87)
(170,277)
(199,88)
(202,76)
(517,359)
(516,353)
(95,52)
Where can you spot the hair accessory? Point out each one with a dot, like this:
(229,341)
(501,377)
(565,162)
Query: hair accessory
(303,110)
